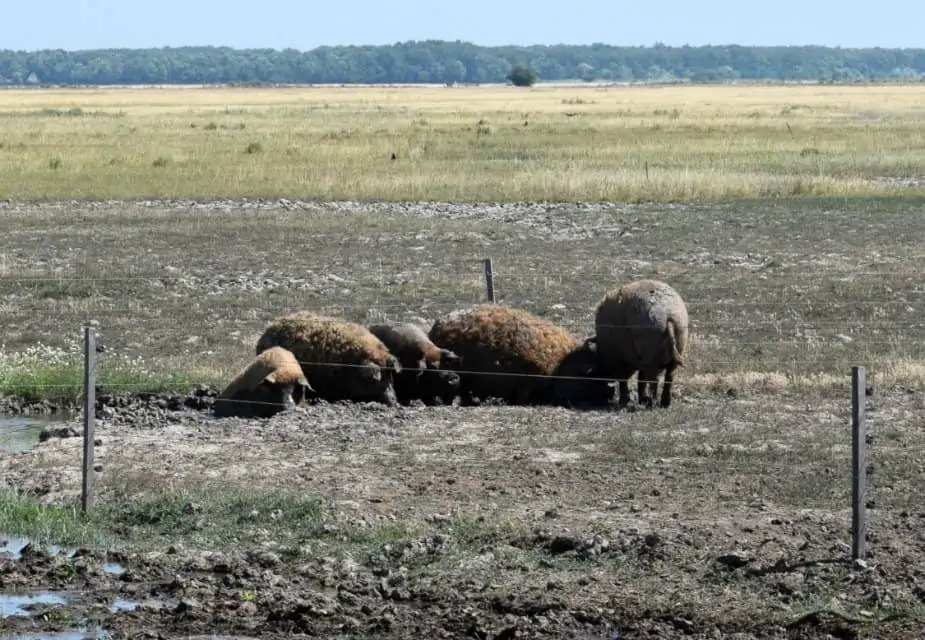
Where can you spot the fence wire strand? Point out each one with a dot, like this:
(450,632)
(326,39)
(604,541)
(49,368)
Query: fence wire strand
(116,448)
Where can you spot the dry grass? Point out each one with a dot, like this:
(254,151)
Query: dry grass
(461,144)
(782,294)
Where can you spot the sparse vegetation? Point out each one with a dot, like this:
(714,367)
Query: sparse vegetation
(211,518)
(55,373)
(668,145)
(363,521)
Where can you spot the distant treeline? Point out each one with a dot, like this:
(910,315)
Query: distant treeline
(447,62)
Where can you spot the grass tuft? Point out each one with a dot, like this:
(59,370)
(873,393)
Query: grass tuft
(212,519)
(22,515)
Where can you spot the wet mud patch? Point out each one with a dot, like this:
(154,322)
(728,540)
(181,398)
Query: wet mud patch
(75,634)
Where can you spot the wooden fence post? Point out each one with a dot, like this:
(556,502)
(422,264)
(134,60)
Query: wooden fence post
(858,462)
(489,280)
(86,496)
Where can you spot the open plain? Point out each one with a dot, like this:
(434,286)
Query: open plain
(463,144)
(726,515)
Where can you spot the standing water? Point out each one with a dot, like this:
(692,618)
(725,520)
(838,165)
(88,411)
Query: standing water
(21,433)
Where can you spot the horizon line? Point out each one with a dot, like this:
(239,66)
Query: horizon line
(655,45)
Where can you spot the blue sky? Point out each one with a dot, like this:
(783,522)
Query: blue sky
(303,24)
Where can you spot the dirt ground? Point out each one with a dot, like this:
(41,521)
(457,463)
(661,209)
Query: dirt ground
(791,289)
(726,515)
(720,517)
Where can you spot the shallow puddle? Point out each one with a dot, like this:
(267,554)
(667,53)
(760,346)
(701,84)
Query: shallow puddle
(74,634)
(22,432)
(15,604)
(14,545)
(123,604)
(12,604)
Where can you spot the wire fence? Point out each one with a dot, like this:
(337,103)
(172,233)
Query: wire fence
(751,467)
(797,467)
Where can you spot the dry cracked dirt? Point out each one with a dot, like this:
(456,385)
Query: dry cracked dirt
(724,516)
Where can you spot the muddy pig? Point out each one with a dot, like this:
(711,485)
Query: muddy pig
(506,353)
(642,327)
(272,382)
(342,360)
(427,373)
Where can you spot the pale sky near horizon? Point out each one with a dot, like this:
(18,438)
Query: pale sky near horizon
(278,24)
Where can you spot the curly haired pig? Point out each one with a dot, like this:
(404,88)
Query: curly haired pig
(272,382)
(343,360)
(642,327)
(427,373)
(578,384)
(506,353)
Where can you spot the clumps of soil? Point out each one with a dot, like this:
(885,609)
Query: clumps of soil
(21,406)
(398,589)
(485,522)
(157,408)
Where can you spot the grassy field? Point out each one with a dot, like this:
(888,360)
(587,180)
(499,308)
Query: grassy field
(726,515)
(462,143)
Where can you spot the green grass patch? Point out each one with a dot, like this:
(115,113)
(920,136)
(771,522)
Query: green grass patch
(63,381)
(387,533)
(216,519)
(43,372)
(473,533)
(198,519)
(226,519)
(22,515)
